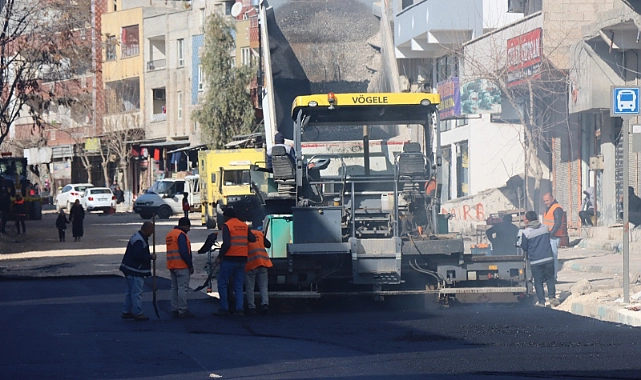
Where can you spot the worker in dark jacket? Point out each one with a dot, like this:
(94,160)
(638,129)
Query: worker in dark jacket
(136,265)
(232,259)
(535,241)
(502,237)
(5,208)
(20,213)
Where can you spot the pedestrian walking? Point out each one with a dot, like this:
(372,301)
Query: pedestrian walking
(535,242)
(232,259)
(5,208)
(553,219)
(20,213)
(186,207)
(502,236)
(77,219)
(256,272)
(136,265)
(61,224)
(180,265)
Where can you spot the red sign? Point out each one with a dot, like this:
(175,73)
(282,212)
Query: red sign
(524,55)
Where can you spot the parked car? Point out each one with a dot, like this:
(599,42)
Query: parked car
(98,198)
(68,195)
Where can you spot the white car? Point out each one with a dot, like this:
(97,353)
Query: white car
(98,198)
(68,195)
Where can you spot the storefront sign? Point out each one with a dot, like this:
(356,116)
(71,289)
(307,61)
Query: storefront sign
(524,57)
(450,92)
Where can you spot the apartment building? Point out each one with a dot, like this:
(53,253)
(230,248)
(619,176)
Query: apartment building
(529,46)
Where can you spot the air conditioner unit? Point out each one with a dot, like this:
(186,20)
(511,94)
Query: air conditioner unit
(516,6)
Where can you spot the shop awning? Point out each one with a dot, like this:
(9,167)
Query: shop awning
(189,148)
(163,144)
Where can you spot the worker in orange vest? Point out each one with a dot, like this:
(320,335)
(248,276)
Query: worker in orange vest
(179,263)
(232,259)
(20,213)
(256,269)
(553,219)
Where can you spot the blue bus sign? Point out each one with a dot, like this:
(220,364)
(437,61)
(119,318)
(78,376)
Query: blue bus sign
(625,101)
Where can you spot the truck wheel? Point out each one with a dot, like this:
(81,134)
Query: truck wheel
(146,216)
(210,223)
(164,212)
(220,220)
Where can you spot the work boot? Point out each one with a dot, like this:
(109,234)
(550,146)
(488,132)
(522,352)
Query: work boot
(554,302)
(174,313)
(239,313)
(127,316)
(264,309)
(186,314)
(141,317)
(221,313)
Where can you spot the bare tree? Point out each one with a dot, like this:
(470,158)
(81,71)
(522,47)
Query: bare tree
(530,84)
(38,39)
(117,143)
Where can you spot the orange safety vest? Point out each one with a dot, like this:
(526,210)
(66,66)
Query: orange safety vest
(174,261)
(238,232)
(257,254)
(20,203)
(548,220)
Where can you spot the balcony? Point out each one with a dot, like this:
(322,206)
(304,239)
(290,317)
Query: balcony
(426,29)
(158,117)
(157,64)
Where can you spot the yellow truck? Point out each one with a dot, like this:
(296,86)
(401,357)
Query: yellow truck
(225,182)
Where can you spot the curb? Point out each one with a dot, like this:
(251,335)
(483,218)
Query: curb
(608,245)
(615,314)
(593,268)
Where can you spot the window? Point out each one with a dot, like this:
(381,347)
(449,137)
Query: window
(181,52)
(202,17)
(201,78)
(130,46)
(110,50)
(446,68)
(180,106)
(245,56)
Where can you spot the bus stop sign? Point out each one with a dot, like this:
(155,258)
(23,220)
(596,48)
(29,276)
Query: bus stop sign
(625,101)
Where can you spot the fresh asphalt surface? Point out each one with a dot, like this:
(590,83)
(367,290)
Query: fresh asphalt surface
(71,328)
(61,305)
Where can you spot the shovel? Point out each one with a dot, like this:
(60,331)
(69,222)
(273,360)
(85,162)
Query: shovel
(154,270)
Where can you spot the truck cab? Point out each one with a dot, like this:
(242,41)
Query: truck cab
(165,197)
(225,182)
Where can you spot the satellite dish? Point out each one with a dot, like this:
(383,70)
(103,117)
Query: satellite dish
(236,9)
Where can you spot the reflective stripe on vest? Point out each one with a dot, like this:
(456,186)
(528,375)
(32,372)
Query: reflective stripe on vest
(174,261)
(238,238)
(257,254)
(548,219)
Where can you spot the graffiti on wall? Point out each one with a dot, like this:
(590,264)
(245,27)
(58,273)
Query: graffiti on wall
(466,212)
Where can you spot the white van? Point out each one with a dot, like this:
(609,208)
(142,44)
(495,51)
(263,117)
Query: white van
(165,197)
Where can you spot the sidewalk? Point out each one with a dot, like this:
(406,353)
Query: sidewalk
(590,281)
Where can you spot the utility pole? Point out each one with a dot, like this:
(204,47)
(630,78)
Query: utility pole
(93,67)
(625,103)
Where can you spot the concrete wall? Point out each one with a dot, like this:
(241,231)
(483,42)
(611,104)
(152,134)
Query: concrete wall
(468,212)
(562,24)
